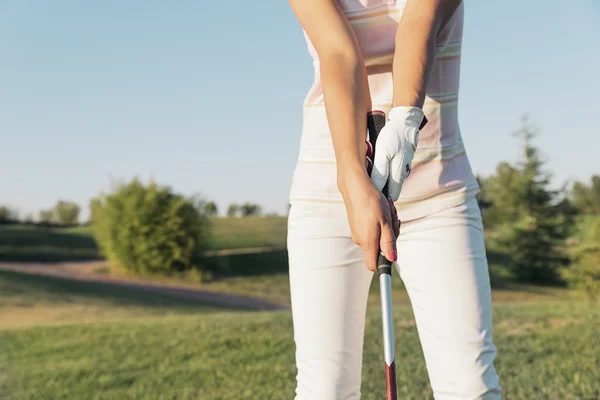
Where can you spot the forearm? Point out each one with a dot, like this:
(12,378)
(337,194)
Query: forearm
(415,48)
(347,102)
(344,81)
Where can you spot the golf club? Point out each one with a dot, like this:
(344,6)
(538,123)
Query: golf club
(375,122)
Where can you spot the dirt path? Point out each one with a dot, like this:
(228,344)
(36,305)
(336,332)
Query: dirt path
(86,271)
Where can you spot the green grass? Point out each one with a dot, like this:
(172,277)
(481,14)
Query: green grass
(61,339)
(546,351)
(27,300)
(29,243)
(237,233)
(265,276)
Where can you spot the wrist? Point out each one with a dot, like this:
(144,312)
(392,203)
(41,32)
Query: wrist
(349,174)
(411,98)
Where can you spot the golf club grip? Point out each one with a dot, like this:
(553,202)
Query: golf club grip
(375,123)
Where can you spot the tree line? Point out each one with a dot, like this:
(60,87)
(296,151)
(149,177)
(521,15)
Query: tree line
(63,213)
(234,210)
(67,213)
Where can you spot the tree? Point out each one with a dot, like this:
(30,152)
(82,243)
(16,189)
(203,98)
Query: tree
(66,212)
(8,214)
(566,207)
(503,192)
(211,209)
(248,209)
(46,216)
(534,247)
(483,198)
(233,210)
(534,230)
(587,198)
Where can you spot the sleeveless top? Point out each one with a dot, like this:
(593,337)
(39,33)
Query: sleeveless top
(441,174)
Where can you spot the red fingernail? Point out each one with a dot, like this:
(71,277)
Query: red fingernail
(393,255)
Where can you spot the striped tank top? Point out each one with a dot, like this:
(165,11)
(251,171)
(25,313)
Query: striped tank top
(441,174)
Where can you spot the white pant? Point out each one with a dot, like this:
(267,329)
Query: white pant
(442,262)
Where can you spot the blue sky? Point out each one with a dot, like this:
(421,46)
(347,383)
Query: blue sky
(206,96)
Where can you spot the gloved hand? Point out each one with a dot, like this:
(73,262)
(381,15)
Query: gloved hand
(395,149)
(369,167)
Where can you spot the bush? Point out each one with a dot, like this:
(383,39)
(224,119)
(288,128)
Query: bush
(584,273)
(149,229)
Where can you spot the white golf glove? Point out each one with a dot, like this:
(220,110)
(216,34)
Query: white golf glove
(395,149)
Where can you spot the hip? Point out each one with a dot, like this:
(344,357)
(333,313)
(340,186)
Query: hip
(440,178)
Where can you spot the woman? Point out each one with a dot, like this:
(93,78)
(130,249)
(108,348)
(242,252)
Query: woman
(402,57)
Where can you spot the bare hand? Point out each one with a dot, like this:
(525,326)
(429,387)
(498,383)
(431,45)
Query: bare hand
(373,218)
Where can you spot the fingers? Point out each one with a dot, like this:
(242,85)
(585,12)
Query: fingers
(371,254)
(381,239)
(387,242)
(387,239)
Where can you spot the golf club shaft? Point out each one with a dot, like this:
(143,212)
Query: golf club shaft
(385,284)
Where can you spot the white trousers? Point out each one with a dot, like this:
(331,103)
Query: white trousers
(442,261)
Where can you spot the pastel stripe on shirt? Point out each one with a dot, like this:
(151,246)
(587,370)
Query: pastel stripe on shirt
(441,176)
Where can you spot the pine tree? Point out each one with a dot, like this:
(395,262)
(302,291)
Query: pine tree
(536,240)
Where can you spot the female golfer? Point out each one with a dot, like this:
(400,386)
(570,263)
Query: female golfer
(401,57)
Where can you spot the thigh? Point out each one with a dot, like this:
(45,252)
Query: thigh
(442,262)
(329,286)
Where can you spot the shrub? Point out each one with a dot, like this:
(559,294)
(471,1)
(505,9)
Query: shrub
(584,273)
(149,229)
